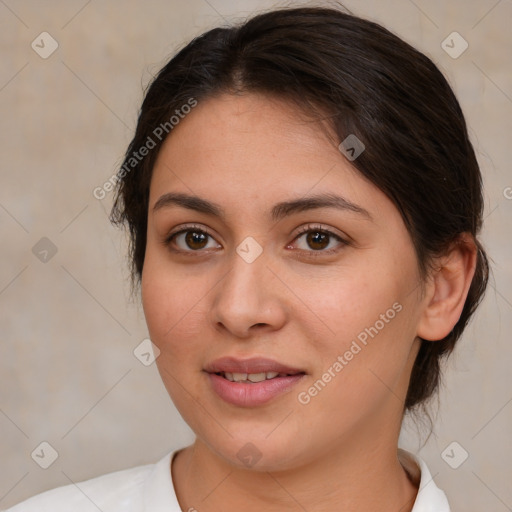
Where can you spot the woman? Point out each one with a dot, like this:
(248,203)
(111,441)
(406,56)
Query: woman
(303,203)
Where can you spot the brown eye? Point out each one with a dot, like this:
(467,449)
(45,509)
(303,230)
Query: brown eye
(190,240)
(319,241)
(196,239)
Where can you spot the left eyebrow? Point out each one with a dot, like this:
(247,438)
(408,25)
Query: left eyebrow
(279,210)
(286,208)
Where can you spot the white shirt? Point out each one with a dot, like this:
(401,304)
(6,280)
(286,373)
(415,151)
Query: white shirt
(150,488)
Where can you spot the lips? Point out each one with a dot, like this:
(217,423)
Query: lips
(232,365)
(251,382)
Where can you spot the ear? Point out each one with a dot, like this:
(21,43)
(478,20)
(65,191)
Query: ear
(447,289)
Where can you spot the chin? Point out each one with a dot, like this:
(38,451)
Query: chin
(258,453)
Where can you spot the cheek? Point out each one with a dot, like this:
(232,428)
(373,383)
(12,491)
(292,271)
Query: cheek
(174,315)
(175,305)
(369,322)
(361,369)
(156,300)
(173,319)
(346,302)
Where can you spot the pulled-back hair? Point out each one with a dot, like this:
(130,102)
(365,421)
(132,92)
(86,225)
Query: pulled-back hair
(365,81)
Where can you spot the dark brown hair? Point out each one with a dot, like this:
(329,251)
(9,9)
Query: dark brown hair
(365,81)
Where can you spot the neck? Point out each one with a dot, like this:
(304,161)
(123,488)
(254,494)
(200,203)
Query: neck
(344,478)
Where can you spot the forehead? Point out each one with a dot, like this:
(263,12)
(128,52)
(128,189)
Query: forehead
(248,146)
(252,124)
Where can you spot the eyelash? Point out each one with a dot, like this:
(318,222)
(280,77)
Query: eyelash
(305,229)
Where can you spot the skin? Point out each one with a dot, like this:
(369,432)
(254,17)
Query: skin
(339,451)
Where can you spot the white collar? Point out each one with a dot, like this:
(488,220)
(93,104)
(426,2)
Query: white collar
(429,498)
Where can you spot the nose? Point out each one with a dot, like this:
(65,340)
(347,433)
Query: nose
(249,299)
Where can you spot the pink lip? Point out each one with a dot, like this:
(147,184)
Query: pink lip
(250,395)
(253,365)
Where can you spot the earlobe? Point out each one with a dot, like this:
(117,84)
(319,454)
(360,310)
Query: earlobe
(447,289)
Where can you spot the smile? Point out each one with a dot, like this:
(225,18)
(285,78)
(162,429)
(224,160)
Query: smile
(250,378)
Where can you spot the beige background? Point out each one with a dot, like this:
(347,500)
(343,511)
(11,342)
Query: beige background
(68,330)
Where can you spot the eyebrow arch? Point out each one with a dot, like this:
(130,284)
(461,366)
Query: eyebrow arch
(279,211)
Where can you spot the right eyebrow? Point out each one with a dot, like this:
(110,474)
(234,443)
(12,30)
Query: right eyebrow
(195,203)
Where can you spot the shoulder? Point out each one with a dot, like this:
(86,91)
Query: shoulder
(121,491)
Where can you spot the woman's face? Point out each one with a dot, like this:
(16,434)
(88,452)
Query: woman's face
(256,277)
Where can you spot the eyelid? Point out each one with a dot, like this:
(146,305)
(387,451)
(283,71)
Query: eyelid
(187,227)
(318,227)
